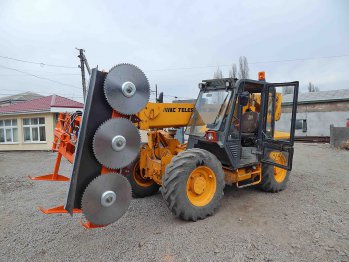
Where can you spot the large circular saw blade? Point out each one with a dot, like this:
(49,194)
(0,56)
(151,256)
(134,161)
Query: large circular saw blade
(106,199)
(126,89)
(116,143)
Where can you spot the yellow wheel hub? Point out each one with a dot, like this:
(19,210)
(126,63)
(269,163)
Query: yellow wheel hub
(201,186)
(279,173)
(140,180)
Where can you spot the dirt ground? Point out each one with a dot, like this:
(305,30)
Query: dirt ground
(309,221)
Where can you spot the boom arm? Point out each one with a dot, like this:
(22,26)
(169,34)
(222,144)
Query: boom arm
(165,115)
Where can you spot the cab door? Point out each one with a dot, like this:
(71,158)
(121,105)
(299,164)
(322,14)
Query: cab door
(277,134)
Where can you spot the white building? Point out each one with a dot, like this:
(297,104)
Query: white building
(29,125)
(316,112)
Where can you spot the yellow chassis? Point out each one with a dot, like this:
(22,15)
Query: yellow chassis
(161,146)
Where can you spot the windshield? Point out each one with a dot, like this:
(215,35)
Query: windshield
(209,112)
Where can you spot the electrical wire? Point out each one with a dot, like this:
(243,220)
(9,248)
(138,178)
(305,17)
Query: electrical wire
(189,67)
(52,74)
(165,69)
(44,78)
(251,63)
(36,63)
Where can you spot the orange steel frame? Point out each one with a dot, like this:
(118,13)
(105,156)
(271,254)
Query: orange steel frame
(64,144)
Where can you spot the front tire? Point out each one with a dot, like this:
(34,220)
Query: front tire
(193,184)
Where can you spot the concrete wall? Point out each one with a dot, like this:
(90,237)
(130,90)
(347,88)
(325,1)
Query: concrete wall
(21,145)
(339,135)
(318,123)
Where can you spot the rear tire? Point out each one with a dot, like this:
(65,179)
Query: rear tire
(193,184)
(270,180)
(141,187)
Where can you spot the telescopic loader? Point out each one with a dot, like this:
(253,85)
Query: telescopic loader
(231,139)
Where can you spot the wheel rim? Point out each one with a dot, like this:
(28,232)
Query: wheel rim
(140,180)
(201,186)
(279,173)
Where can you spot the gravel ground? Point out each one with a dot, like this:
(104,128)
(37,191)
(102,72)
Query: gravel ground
(309,221)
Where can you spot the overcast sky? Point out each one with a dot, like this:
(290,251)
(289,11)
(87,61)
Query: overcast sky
(160,36)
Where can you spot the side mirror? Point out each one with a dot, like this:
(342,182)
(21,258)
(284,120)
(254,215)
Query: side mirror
(243,98)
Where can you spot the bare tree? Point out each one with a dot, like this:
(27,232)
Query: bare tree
(287,90)
(218,97)
(218,74)
(243,67)
(312,88)
(233,72)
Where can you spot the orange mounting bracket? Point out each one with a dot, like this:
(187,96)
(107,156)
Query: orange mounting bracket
(50,177)
(89,225)
(57,210)
(53,176)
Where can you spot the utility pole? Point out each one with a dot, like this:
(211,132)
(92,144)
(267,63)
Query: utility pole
(156,93)
(83,63)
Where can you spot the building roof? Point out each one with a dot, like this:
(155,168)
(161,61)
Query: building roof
(42,104)
(21,97)
(318,97)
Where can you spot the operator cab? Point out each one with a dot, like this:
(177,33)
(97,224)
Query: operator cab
(235,120)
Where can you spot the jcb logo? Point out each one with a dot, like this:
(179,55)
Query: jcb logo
(178,109)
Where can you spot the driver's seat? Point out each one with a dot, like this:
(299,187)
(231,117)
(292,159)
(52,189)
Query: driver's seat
(249,123)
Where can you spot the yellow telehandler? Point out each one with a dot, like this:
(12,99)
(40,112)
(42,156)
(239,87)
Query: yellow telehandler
(231,139)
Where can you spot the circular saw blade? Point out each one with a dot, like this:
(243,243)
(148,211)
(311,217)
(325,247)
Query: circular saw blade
(106,199)
(116,143)
(126,89)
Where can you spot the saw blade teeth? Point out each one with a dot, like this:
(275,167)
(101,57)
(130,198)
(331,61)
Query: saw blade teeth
(95,205)
(82,197)
(105,154)
(147,80)
(94,150)
(114,89)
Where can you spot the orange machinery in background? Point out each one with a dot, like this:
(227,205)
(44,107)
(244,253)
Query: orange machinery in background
(65,138)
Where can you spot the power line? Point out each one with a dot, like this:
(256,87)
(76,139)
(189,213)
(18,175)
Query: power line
(41,71)
(36,63)
(52,74)
(189,67)
(44,78)
(168,69)
(251,63)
